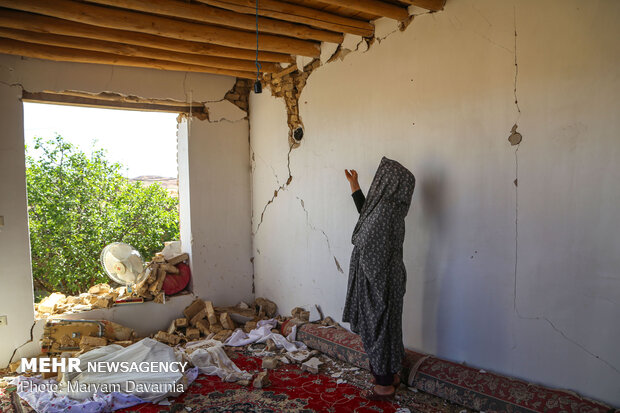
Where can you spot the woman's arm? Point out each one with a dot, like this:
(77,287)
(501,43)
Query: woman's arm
(356,192)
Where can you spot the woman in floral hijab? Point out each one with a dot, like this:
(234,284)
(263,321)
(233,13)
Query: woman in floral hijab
(377,276)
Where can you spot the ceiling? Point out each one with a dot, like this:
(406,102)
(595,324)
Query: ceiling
(210,36)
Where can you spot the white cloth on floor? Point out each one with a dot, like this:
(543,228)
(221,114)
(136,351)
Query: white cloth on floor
(262,333)
(211,359)
(89,391)
(50,402)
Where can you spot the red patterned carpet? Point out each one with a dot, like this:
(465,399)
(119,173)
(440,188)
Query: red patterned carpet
(291,390)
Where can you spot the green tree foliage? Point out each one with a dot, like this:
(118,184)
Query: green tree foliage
(77,204)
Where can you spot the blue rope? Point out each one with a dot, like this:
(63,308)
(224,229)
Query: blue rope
(258,65)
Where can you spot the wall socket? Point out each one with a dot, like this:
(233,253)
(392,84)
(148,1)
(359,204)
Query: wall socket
(3,320)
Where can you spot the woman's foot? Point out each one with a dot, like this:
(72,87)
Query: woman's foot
(395,383)
(379,393)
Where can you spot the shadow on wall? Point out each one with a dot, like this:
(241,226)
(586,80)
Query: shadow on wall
(432,191)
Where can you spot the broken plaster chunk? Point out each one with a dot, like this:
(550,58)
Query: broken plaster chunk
(312,365)
(224,110)
(249,326)
(269,307)
(211,316)
(270,362)
(515,137)
(88,341)
(261,380)
(178,259)
(160,298)
(200,316)
(351,41)
(49,303)
(301,355)
(302,62)
(384,26)
(215,328)
(227,322)
(270,345)
(170,269)
(203,327)
(192,334)
(166,338)
(222,335)
(327,51)
(194,308)
(99,289)
(103,302)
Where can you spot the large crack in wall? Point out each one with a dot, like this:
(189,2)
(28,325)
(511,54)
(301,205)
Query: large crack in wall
(515,138)
(289,84)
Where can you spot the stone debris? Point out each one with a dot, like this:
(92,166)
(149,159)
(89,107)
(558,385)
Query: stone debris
(226,321)
(104,296)
(270,345)
(268,307)
(261,380)
(82,335)
(164,337)
(89,342)
(270,362)
(192,334)
(154,275)
(301,355)
(312,365)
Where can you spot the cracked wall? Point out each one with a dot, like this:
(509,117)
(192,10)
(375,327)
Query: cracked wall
(505,112)
(215,204)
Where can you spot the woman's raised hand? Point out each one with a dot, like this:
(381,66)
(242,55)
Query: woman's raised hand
(352,178)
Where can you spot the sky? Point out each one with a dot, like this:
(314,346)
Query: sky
(144,142)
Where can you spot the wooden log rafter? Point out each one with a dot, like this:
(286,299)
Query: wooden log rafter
(43,24)
(375,7)
(214,15)
(14,47)
(135,51)
(296,13)
(162,26)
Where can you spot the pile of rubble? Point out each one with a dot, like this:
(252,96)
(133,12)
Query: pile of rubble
(104,296)
(202,320)
(156,271)
(98,296)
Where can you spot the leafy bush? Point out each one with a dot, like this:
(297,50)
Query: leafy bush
(77,204)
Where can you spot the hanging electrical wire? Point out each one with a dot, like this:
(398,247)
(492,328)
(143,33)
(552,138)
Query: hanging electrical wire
(258,88)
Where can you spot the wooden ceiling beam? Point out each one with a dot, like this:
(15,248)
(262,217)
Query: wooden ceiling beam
(43,24)
(433,5)
(298,14)
(162,26)
(134,51)
(65,54)
(376,7)
(208,14)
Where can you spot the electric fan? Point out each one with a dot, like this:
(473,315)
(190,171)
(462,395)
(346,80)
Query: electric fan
(123,263)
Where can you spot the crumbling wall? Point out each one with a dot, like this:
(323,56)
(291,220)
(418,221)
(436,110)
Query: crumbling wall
(213,173)
(511,246)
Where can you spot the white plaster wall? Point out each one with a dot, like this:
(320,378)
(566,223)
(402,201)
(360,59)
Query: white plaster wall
(219,186)
(521,280)
(217,168)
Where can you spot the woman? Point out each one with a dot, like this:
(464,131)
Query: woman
(377,276)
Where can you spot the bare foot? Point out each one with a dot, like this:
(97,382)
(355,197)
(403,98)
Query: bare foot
(384,390)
